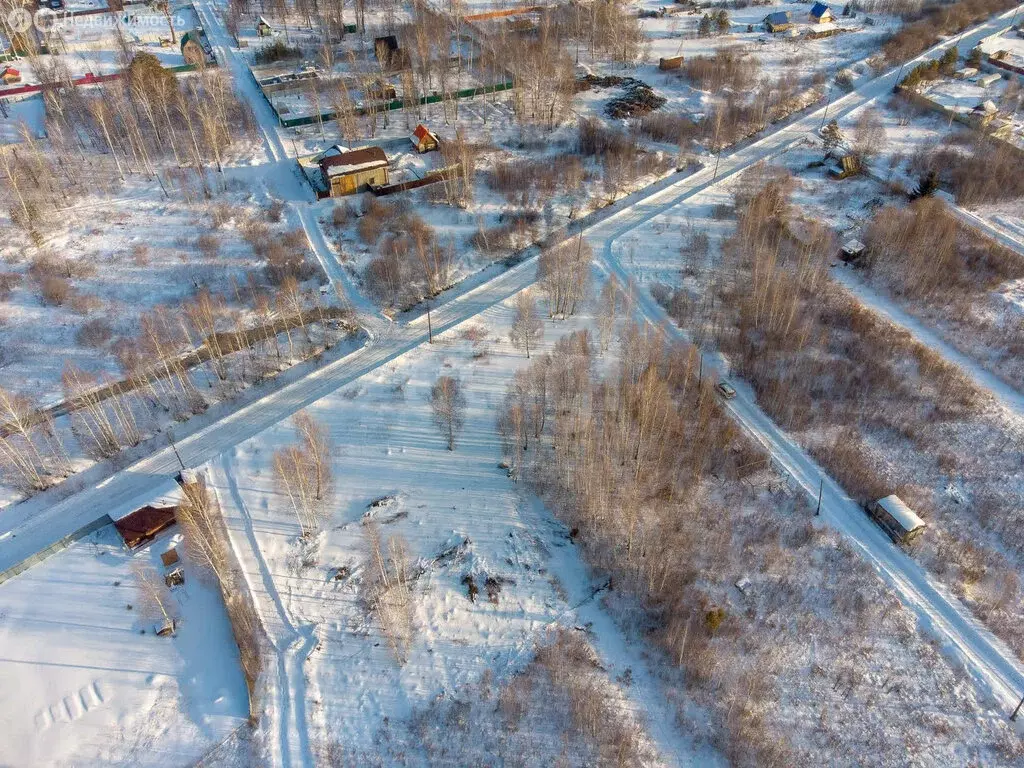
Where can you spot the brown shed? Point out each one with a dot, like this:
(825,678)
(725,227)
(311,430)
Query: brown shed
(170,557)
(673,62)
(346,173)
(144,523)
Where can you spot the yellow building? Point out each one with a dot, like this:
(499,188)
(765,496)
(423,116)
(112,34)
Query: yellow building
(346,173)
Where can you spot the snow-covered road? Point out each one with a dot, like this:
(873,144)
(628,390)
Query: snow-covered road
(28,528)
(992,666)
(880,304)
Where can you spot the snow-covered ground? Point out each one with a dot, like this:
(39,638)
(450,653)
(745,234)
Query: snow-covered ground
(85,679)
(624,251)
(389,446)
(126,254)
(458,514)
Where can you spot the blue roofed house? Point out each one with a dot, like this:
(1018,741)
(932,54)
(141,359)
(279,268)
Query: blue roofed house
(779,21)
(821,14)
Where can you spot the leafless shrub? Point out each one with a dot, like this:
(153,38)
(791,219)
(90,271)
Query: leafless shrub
(274,211)
(209,245)
(140,254)
(527,181)
(341,215)
(727,68)
(55,290)
(94,333)
(8,282)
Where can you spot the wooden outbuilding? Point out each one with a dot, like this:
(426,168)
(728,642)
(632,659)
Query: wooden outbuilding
(10,76)
(844,167)
(169,558)
(852,250)
(672,62)
(423,139)
(821,14)
(779,21)
(144,524)
(348,172)
(897,519)
(819,31)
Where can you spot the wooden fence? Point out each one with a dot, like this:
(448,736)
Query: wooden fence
(433,98)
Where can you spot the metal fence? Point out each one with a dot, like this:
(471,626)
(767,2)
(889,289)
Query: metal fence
(57,546)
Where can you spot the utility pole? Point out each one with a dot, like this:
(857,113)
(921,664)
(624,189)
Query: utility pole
(828,100)
(700,374)
(717,158)
(821,487)
(1017,710)
(430,328)
(170,439)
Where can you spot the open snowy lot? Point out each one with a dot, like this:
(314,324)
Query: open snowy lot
(454,516)
(85,679)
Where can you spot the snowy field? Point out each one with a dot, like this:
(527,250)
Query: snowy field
(458,515)
(87,682)
(125,253)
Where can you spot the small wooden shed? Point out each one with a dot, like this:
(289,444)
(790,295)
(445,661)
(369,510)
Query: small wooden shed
(423,139)
(852,250)
(897,519)
(673,62)
(821,14)
(779,21)
(170,557)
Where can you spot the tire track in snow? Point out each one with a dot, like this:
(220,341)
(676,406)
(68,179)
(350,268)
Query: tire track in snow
(291,651)
(646,695)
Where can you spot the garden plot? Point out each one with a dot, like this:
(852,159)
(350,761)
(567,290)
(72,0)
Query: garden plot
(88,45)
(160,306)
(791,51)
(798,60)
(86,680)
(973,306)
(526,187)
(457,520)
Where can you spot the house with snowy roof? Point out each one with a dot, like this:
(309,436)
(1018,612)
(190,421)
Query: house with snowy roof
(821,14)
(779,21)
(346,172)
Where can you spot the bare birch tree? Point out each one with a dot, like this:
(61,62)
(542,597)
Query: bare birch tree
(303,471)
(527,326)
(449,406)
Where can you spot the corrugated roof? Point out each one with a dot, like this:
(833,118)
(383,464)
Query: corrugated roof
(143,524)
(901,513)
(818,9)
(779,17)
(360,159)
